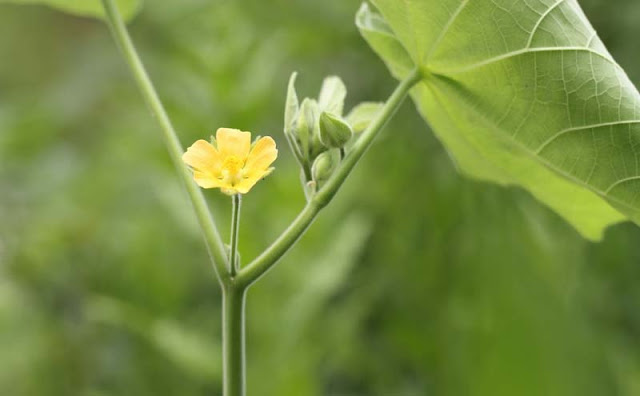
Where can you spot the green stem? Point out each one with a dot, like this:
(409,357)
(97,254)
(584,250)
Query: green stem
(361,145)
(211,234)
(258,267)
(233,340)
(235,225)
(265,261)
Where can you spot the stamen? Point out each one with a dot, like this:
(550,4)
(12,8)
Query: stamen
(232,171)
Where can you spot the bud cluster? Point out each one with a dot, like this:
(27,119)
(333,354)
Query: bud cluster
(318,133)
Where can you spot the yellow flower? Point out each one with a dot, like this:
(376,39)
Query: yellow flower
(235,165)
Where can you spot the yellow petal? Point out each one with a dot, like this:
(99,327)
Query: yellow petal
(203,156)
(206,180)
(233,142)
(247,183)
(262,155)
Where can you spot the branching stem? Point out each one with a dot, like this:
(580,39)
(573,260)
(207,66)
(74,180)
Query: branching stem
(233,279)
(209,230)
(258,267)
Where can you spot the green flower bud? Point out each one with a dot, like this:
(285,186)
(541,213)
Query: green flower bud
(334,132)
(332,94)
(291,111)
(291,105)
(362,115)
(317,146)
(305,124)
(324,166)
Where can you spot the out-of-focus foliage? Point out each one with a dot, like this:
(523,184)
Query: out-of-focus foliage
(419,281)
(90,8)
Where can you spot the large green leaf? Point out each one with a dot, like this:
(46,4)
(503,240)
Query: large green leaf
(521,92)
(88,8)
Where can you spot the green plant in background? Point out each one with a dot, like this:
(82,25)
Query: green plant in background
(87,8)
(528,107)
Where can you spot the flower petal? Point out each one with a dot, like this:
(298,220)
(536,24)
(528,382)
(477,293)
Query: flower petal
(262,155)
(247,183)
(233,142)
(203,156)
(206,180)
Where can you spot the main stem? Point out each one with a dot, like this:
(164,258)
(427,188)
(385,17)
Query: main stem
(211,234)
(233,335)
(233,340)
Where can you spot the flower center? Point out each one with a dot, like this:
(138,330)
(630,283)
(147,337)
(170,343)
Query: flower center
(232,170)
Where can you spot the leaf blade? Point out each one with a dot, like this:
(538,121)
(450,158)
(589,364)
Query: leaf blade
(527,97)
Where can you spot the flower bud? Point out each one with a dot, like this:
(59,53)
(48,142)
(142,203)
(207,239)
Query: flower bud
(324,166)
(291,112)
(305,123)
(334,132)
(362,115)
(291,106)
(332,94)
(317,146)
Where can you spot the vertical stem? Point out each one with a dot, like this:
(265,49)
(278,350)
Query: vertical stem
(233,340)
(235,225)
(233,336)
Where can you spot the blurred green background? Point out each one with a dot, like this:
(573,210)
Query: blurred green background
(416,280)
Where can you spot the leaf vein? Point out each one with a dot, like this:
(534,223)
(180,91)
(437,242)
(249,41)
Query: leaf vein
(581,128)
(540,20)
(445,29)
(522,51)
(619,182)
(543,161)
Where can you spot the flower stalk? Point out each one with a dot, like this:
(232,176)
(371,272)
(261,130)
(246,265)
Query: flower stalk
(234,264)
